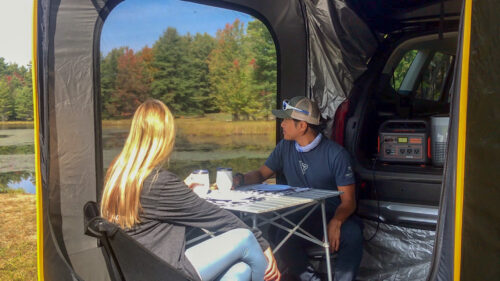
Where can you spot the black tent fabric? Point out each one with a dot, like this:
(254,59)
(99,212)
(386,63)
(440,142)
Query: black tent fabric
(340,45)
(481,227)
(386,16)
(442,266)
(479,242)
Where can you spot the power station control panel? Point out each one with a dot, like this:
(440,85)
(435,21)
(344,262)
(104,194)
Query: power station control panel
(403,141)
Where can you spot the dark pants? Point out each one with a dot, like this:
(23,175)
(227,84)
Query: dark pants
(293,257)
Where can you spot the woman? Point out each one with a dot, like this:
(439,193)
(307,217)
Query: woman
(155,207)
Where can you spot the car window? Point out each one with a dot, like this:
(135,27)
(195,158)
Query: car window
(430,84)
(402,69)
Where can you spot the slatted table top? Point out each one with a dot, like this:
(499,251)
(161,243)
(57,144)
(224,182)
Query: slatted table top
(275,203)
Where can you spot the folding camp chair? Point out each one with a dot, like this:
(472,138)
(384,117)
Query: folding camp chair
(126,259)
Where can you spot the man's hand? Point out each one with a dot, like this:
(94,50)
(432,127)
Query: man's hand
(238,179)
(343,211)
(272,271)
(253,177)
(334,234)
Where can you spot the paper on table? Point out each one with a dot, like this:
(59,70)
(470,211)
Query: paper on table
(233,196)
(270,187)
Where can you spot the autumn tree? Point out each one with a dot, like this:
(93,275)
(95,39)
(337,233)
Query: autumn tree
(147,57)
(131,85)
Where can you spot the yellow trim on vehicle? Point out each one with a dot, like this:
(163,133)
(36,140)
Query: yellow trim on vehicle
(36,118)
(462,130)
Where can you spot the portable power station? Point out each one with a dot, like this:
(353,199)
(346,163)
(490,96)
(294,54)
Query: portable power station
(404,141)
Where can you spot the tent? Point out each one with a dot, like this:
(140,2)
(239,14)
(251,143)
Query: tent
(323,46)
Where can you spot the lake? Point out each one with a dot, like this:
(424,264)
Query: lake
(242,152)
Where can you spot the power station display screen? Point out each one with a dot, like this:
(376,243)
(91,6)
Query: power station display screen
(402,140)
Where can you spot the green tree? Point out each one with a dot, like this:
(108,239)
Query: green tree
(27,77)
(264,64)
(23,104)
(230,73)
(109,65)
(197,82)
(170,63)
(402,68)
(16,91)
(6,101)
(3,67)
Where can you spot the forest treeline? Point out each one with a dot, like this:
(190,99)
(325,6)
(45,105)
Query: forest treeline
(16,97)
(233,72)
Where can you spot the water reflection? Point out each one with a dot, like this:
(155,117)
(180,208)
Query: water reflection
(26,184)
(17,180)
(241,152)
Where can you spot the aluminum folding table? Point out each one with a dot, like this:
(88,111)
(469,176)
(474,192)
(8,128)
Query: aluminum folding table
(259,211)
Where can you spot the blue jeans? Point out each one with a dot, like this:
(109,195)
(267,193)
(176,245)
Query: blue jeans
(235,255)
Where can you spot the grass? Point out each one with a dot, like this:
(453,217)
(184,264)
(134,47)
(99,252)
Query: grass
(207,127)
(116,123)
(17,237)
(16,123)
(9,190)
(17,149)
(217,124)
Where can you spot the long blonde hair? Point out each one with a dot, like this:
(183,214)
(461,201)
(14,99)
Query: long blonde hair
(149,144)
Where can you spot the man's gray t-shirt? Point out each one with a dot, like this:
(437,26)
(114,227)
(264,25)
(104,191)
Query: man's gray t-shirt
(326,166)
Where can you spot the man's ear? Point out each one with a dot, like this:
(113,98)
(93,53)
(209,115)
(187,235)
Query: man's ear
(303,126)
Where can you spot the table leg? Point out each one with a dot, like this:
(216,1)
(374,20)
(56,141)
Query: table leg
(326,244)
(254,221)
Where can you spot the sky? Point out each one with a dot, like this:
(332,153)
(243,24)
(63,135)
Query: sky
(133,23)
(136,23)
(16,31)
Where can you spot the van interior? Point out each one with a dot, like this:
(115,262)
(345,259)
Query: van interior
(394,131)
(421,95)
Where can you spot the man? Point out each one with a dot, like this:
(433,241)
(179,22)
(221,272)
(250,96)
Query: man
(308,159)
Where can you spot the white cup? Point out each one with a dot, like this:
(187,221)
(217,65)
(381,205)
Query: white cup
(224,179)
(200,177)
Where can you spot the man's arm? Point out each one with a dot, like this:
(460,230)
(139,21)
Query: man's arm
(253,177)
(344,210)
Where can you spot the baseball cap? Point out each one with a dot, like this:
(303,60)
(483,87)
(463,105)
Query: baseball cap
(299,108)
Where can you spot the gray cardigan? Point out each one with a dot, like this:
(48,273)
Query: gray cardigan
(168,207)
